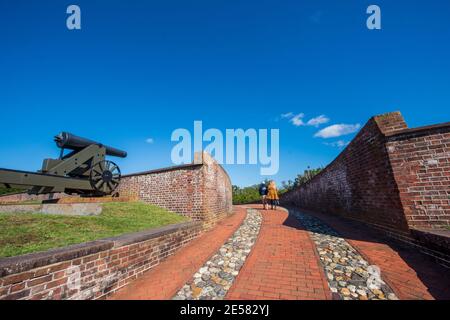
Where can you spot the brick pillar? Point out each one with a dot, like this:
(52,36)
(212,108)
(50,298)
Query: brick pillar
(391,122)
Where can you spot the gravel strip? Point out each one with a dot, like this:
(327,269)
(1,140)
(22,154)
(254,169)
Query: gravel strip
(213,280)
(349,276)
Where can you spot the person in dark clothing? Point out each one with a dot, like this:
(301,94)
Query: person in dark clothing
(263,190)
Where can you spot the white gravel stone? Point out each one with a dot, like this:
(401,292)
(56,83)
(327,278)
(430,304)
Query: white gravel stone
(348,269)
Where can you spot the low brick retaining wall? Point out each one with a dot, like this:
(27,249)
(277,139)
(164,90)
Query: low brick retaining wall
(94,269)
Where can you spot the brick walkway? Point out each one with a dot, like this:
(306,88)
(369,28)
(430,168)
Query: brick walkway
(411,274)
(282,265)
(163,281)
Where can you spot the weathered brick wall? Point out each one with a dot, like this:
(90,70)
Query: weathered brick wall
(358,184)
(388,176)
(91,270)
(420,160)
(217,192)
(201,191)
(178,189)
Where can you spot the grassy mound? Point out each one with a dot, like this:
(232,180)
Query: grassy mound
(25,233)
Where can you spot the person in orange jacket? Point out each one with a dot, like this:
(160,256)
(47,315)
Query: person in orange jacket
(272,195)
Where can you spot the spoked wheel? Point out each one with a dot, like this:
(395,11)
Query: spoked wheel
(105,177)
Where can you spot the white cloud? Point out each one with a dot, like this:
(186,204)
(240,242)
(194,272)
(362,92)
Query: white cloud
(317,121)
(287,115)
(297,120)
(337,130)
(149,140)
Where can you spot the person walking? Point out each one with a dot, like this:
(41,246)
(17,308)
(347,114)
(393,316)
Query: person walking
(263,193)
(272,195)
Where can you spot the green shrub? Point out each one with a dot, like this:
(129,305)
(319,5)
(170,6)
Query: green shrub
(246,195)
(4,191)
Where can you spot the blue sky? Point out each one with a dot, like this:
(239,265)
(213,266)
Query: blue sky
(140,69)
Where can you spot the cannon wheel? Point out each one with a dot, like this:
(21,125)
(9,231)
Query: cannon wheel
(105,177)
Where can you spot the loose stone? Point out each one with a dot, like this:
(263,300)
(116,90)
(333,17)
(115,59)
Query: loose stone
(346,270)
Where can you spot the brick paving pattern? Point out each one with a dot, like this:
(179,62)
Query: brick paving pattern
(282,265)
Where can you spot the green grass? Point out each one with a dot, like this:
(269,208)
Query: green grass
(6,191)
(26,232)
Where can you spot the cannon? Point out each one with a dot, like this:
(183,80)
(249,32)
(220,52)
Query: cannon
(84,170)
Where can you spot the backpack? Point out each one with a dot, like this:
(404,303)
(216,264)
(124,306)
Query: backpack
(263,190)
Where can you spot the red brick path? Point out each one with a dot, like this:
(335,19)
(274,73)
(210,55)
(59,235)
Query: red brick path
(411,274)
(282,264)
(164,280)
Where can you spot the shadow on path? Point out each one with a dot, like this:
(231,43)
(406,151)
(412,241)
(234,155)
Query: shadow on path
(412,274)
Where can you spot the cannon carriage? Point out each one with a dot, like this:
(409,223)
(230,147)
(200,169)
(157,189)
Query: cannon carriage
(84,170)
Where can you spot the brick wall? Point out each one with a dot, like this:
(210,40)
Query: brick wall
(217,192)
(201,191)
(420,159)
(91,270)
(389,176)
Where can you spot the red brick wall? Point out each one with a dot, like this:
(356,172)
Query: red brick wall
(420,161)
(177,189)
(91,270)
(200,191)
(384,177)
(217,198)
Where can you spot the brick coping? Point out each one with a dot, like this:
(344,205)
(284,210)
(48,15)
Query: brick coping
(22,263)
(418,130)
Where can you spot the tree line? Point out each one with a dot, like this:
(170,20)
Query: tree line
(251,194)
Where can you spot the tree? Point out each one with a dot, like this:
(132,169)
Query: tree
(251,194)
(245,195)
(307,175)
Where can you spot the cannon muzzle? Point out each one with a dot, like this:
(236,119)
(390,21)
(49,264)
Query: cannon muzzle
(70,141)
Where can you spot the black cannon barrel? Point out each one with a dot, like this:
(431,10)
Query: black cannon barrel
(70,141)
